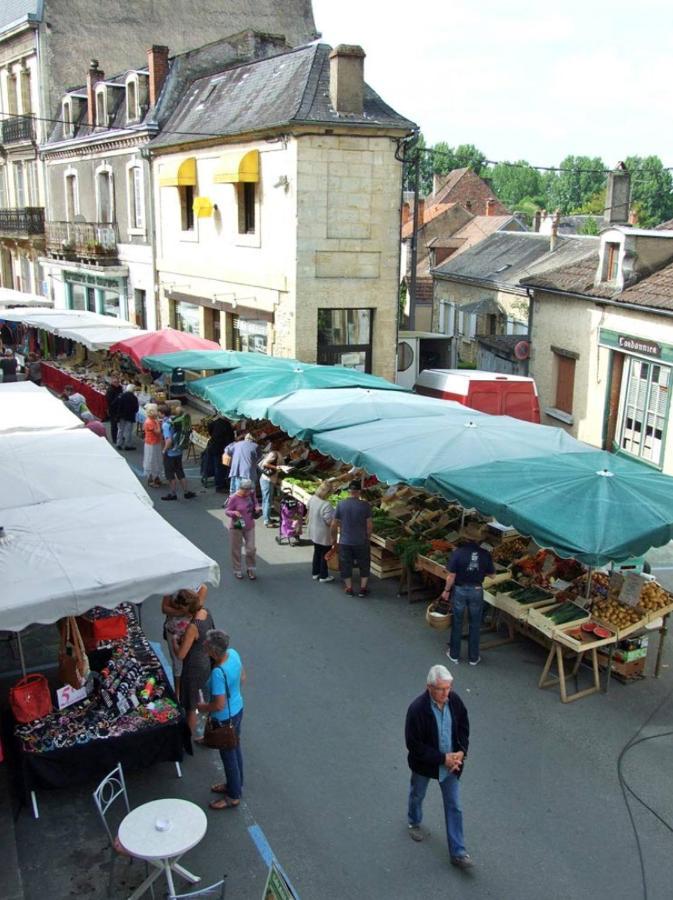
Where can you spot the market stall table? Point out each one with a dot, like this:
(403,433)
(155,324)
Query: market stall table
(56,378)
(160,832)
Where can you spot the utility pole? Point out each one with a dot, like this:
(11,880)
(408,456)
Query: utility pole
(414,244)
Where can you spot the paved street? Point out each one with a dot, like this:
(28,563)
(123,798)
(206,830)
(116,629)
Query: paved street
(329,679)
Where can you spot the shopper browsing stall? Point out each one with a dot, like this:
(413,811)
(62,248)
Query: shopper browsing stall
(244,461)
(268,479)
(112,395)
(467,567)
(221,434)
(351,529)
(320,518)
(175,432)
(191,650)
(241,510)
(127,410)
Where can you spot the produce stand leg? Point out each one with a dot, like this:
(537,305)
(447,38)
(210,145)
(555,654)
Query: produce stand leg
(33,800)
(660,650)
(545,681)
(493,628)
(608,676)
(407,582)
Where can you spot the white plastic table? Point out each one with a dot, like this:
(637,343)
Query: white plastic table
(140,837)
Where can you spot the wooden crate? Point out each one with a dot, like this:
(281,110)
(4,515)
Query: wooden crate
(516,610)
(384,542)
(425,564)
(542,623)
(386,570)
(627,630)
(586,642)
(299,493)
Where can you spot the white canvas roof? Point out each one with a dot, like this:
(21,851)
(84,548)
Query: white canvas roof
(38,466)
(9,297)
(61,558)
(98,337)
(32,409)
(56,320)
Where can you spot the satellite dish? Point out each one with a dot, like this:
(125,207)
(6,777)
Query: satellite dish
(522,350)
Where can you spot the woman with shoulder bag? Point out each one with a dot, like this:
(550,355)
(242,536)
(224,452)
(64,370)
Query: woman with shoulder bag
(241,510)
(195,659)
(225,711)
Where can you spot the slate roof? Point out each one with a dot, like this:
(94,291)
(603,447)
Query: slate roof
(12,11)
(505,257)
(478,228)
(286,89)
(501,343)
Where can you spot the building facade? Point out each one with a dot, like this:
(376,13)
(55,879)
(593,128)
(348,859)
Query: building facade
(602,345)
(278,210)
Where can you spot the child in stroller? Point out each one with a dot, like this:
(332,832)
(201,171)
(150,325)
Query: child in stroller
(292,514)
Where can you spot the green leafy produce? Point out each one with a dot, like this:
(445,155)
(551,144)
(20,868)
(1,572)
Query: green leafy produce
(567,612)
(408,549)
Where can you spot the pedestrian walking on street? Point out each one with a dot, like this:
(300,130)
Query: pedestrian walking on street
(244,462)
(467,567)
(191,649)
(226,702)
(320,518)
(174,438)
(152,457)
(9,367)
(437,735)
(127,410)
(351,529)
(112,395)
(241,510)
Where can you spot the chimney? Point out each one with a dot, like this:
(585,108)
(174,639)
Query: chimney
(537,218)
(633,218)
(421,211)
(618,197)
(346,78)
(490,206)
(93,76)
(157,63)
(553,238)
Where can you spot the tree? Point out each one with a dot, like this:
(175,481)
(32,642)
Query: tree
(514,182)
(468,156)
(593,206)
(580,177)
(651,190)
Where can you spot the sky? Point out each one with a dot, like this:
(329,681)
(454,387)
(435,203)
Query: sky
(586,77)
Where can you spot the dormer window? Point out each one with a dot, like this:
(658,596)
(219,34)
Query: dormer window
(611,261)
(132,100)
(67,118)
(101,108)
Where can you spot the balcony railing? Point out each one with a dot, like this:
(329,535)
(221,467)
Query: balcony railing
(17,128)
(26,220)
(96,241)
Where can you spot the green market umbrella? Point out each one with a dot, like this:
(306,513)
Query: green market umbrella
(307,412)
(211,360)
(410,450)
(228,392)
(594,505)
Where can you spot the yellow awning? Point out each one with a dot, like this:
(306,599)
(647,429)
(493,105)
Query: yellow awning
(203,207)
(178,172)
(237,166)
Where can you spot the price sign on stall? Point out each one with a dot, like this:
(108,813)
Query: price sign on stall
(630,592)
(68,695)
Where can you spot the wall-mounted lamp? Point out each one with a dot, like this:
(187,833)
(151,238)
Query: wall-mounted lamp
(284,182)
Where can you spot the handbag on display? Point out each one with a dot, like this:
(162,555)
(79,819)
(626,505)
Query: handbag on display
(101,627)
(30,698)
(73,663)
(222,736)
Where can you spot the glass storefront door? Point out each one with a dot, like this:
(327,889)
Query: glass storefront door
(345,338)
(187,317)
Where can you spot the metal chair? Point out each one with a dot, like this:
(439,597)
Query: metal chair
(213,890)
(111,788)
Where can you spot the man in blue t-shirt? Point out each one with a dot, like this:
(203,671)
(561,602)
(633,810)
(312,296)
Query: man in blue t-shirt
(351,528)
(467,567)
(172,455)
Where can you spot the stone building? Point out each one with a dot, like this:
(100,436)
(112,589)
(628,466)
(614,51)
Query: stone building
(44,45)
(277,193)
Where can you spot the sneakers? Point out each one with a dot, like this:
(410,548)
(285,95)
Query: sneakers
(476,662)
(315,577)
(416,833)
(364,592)
(349,591)
(170,497)
(456,661)
(462,862)
(325,580)
(189,495)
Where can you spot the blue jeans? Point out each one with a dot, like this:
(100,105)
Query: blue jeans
(232,760)
(453,813)
(267,497)
(470,597)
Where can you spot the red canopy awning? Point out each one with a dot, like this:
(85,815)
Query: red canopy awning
(165,341)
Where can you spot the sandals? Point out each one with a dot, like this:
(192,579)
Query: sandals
(251,575)
(220,788)
(238,575)
(224,803)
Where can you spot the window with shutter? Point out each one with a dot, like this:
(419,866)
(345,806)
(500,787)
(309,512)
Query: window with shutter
(644,409)
(565,383)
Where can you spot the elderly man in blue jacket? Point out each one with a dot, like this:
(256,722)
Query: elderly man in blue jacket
(437,735)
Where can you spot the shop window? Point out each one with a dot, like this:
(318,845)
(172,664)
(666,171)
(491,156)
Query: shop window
(247,196)
(111,304)
(565,383)
(345,338)
(643,409)
(140,307)
(186,192)
(12,95)
(187,317)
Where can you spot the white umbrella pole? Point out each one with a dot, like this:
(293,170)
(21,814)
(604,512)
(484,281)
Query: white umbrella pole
(21,657)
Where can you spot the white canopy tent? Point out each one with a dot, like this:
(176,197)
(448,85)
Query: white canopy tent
(24,408)
(9,297)
(64,557)
(54,320)
(98,337)
(36,467)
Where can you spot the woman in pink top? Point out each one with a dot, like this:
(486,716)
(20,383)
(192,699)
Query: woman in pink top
(241,510)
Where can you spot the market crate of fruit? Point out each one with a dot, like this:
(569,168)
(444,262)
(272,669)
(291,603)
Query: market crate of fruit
(655,600)
(548,620)
(434,566)
(622,619)
(586,636)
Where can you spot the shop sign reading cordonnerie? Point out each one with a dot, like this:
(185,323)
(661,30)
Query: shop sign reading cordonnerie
(629,343)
